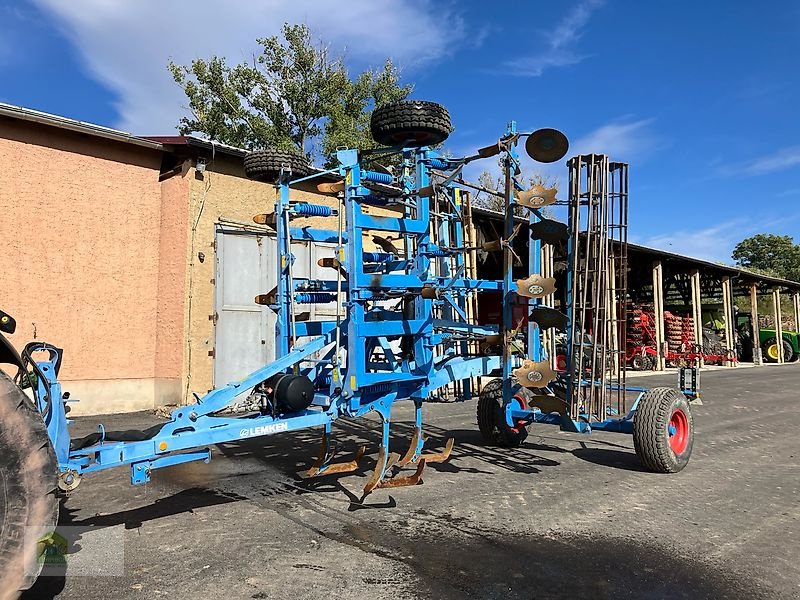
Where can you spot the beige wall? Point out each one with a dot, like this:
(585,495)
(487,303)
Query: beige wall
(223,191)
(89,257)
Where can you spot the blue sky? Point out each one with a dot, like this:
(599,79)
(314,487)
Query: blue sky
(701,98)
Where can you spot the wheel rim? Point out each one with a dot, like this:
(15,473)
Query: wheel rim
(678,431)
(517,402)
(561,362)
(772,351)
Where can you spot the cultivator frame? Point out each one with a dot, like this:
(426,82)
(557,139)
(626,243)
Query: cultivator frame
(402,330)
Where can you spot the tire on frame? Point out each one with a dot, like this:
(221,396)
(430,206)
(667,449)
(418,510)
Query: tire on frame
(492,416)
(663,430)
(28,484)
(266,165)
(410,124)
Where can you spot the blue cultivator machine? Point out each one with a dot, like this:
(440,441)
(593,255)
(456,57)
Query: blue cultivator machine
(403,282)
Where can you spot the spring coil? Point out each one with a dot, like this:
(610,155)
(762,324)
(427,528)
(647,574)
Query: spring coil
(377,177)
(312,210)
(438,163)
(376,257)
(314,297)
(324,381)
(436,251)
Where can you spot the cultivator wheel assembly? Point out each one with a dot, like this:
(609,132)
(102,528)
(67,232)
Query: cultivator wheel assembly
(663,432)
(402,290)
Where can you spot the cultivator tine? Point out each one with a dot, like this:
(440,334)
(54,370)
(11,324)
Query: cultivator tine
(406,480)
(414,448)
(438,457)
(414,452)
(323,466)
(385,462)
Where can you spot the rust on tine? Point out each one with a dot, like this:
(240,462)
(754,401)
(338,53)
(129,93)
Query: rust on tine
(437,457)
(377,474)
(346,466)
(412,449)
(323,454)
(406,480)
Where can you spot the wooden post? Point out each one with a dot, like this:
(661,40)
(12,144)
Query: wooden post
(776,299)
(796,298)
(757,360)
(612,331)
(697,308)
(658,309)
(728,318)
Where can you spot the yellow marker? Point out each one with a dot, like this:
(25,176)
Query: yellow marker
(162,446)
(352,382)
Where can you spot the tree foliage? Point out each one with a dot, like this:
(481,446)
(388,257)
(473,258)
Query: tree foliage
(775,255)
(294,95)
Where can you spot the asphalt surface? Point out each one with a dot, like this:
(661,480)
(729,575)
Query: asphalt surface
(565,516)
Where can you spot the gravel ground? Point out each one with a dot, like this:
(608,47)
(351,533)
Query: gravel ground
(565,516)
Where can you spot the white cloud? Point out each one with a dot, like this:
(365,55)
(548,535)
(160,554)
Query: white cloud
(785,158)
(559,51)
(622,140)
(714,243)
(710,243)
(126,45)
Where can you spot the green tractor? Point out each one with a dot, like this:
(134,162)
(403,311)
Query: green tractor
(768,341)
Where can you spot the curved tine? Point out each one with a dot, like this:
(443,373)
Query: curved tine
(437,457)
(408,480)
(411,454)
(347,466)
(377,474)
(321,457)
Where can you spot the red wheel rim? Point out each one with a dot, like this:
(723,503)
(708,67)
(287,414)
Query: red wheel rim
(678,431)
(561,362)
(523,404)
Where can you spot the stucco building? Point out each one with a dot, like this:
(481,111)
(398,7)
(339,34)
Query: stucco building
(111,250)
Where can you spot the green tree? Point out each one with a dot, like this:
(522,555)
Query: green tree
(770,254)
(294,95)
(348,118)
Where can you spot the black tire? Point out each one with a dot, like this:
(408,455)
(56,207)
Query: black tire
(266,165)
(492,420)
(410,123)
(651,436)
(769,353)
(28,483)
(638,362)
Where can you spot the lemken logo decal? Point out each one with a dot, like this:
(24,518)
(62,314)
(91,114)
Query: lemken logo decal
(263,430)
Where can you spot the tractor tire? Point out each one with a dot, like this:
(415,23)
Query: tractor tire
(266,165)
(492,416)
(28,484)
(410,124)
(770,350)
(663,430)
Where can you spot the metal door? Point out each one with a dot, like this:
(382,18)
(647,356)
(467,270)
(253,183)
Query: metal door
(245,267)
